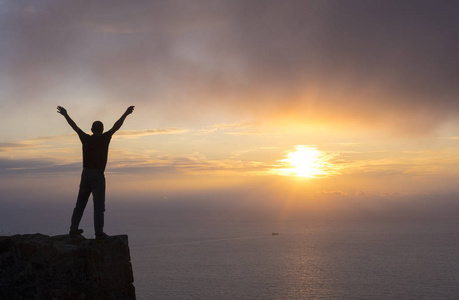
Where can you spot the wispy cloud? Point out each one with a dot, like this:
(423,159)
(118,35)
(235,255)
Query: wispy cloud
(35,166)
(147,132)
(331,193)
(224,126)
(227,128)
(9,146)
(251,133)
(193,164)
(33,143)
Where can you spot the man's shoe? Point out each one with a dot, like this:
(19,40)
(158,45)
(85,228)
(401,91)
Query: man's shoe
(101,236)
(76,232)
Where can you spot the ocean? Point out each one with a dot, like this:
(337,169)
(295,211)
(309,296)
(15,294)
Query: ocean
(181,253)
(306,260)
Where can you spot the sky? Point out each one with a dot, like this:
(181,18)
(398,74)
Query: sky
(299,106)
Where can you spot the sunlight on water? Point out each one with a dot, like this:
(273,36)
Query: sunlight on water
(340,260)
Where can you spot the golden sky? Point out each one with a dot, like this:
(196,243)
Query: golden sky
(227,93)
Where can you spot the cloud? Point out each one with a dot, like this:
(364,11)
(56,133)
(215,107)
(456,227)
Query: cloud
(9,146)
(9,167)
(251,133)
(331,193)
(193,164)
(51,149)
(243,128)
(26,145)
(146,132)
(383,64)
(223,126)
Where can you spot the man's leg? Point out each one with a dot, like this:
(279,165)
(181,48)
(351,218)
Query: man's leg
(98,193)
(82,200)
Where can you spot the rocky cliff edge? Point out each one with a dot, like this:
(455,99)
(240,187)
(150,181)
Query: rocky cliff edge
(37,266)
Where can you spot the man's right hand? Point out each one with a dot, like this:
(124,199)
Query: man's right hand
(62,110)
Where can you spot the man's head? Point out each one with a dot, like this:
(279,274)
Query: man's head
(97,127)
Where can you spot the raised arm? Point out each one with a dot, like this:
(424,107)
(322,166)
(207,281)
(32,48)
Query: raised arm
(72,124)
(120,122)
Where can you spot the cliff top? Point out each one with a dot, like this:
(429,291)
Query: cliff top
(37,266)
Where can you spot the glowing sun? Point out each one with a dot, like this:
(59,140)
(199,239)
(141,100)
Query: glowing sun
(305,161)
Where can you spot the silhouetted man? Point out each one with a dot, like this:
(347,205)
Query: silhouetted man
(95,153)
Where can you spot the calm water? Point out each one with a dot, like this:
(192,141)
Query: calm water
(315,260)
(176,255)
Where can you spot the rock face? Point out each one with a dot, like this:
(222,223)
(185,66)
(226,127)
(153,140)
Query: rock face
(36,266)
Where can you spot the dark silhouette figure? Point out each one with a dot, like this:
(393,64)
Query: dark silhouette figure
(95,153)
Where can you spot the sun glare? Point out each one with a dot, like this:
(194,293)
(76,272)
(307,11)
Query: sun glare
(305,161)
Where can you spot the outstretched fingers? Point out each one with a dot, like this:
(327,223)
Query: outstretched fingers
(130,109)
(61,110)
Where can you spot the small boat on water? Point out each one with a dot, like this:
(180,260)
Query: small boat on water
(275,233)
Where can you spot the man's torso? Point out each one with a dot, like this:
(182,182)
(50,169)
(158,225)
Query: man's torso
(95,150)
